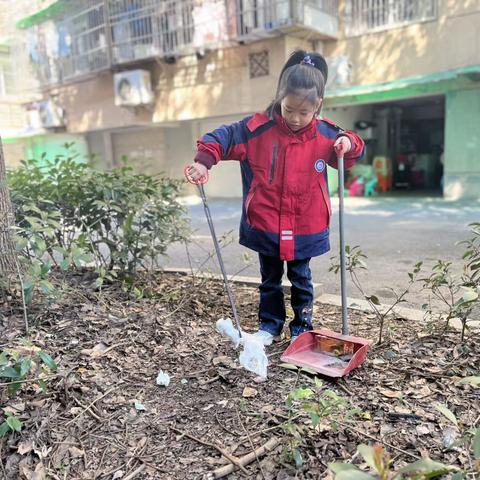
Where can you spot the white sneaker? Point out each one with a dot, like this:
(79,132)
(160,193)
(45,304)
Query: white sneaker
(266,337)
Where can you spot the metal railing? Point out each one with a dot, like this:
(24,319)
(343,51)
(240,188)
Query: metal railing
(94,35)
(363,16)
(83,45)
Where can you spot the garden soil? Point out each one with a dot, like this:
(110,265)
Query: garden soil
(103,416)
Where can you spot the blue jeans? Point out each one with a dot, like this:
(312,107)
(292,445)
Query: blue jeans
(272,306)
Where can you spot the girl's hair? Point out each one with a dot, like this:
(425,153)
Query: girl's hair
(304,73)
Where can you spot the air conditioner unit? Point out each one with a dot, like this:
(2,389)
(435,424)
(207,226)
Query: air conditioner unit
(45,114)
(133,88)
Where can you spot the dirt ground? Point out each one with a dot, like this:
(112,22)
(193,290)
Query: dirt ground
(104,416)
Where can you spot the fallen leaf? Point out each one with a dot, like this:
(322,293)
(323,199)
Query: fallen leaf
(391,393)
(249,392)
(422,430)
(97,351)
(38,474)
(434,369)
(25,447)
(43,452)
(423,392)
(76,452)
(224,360)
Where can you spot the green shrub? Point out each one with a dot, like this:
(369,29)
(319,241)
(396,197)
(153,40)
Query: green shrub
(69,214)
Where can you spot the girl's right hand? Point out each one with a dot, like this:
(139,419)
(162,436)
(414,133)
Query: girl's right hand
(195,172)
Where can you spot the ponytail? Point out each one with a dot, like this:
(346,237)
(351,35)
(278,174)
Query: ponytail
(305,73)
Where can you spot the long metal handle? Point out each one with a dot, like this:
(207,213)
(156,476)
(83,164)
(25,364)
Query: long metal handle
(343,273)
(219,256)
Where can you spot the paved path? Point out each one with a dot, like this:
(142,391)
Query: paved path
(394,232)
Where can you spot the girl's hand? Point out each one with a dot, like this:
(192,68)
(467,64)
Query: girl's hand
(196,171)
(342,145)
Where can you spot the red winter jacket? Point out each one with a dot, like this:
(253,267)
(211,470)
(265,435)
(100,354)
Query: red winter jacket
(286,205)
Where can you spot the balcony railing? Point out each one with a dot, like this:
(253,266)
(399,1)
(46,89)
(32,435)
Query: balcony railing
(364,16)
(94,35)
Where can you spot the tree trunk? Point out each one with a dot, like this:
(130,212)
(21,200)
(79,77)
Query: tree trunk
(7,246)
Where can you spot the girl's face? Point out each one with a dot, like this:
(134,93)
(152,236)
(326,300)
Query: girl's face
(298,111)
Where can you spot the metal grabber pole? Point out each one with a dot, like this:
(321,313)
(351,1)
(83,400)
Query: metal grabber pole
(343,273)
(219,256)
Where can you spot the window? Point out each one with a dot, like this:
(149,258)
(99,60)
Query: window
(363,16)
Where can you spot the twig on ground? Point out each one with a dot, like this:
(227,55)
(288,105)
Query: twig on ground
(360,432)
(270,429)
(30,380)
(251,443)
(140,469)
(87,409)
(344,388)
(247,459)
(210,380)
(223,427)
(97,471)
(91,405)
(234,460)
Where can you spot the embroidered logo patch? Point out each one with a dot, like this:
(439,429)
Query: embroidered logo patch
(320,165)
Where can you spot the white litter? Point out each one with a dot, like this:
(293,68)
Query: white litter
(163,379)
(253,357)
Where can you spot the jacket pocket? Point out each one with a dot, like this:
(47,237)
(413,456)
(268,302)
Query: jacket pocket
(273,164)
(248,201)
(326,199)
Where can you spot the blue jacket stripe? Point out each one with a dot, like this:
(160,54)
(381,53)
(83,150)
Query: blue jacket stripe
(327,130)
(227,136)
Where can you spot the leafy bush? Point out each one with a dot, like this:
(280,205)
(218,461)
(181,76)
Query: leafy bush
(319,405)
(68,214)
(355,261)
(16,364)
(458,294)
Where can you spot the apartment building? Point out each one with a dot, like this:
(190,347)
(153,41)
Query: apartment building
(12,117)
(144,79)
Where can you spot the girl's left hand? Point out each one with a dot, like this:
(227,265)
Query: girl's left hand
(342,145)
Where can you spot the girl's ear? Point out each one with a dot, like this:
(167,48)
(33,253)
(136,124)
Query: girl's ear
(319,105)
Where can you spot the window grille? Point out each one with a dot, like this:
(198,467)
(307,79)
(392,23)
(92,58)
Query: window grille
(259,64)
(363,16)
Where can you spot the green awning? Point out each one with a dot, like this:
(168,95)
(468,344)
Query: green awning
(41,16)
(435,83)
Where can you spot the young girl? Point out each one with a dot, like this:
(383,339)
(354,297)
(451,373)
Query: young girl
(283,154)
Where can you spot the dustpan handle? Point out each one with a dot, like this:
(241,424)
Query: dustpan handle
(343,273)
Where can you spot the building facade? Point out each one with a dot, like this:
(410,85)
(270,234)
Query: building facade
(144,79)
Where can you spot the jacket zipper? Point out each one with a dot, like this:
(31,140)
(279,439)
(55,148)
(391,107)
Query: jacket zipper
(248,201)
(326,200)
(274,162)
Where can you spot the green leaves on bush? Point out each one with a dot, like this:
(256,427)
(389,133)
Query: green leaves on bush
(11,424)
(69,215)
(17,364)
(458,294)
(380,464)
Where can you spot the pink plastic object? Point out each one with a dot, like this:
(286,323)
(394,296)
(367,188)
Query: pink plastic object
(327,352)
(357,188)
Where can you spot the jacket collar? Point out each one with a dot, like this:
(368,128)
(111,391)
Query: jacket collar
(258,120)
(306,133)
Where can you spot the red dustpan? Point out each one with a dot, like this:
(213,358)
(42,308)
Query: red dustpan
(326,352)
